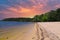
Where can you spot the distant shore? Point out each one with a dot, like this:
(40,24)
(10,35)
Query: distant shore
(52,16)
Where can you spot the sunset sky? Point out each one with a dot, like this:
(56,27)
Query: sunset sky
(26,8)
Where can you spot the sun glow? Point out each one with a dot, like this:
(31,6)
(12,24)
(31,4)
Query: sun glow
(27,8)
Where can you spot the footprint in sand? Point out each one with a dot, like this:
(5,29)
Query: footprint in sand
(33,38)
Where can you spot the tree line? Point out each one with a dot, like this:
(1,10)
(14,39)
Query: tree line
(53,15)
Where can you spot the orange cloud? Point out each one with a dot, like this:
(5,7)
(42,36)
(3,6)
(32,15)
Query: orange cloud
(22,9)
(27,12)
(23,12)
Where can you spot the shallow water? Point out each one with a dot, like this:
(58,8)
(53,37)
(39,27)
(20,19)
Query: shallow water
(6,24)
(12,30)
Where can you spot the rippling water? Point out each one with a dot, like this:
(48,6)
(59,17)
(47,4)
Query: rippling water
(12,30)
(4,24)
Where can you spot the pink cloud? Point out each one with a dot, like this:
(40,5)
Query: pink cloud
(34,7)
(57,6)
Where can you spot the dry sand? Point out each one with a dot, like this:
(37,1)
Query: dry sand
(52,28)
(34,31)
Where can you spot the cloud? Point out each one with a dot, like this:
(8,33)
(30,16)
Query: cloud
(27,8)
(57,6)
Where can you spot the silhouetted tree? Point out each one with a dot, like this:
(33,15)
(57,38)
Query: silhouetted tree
(53,15)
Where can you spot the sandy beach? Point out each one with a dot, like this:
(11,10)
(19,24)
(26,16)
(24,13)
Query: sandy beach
(32,31)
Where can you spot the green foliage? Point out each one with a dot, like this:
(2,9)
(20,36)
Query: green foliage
(18,19)
(49,16)
(53,15)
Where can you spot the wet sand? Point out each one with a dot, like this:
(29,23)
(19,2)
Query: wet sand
(33,31)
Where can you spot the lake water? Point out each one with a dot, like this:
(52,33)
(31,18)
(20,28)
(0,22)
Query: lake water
(12,30)
(6,24)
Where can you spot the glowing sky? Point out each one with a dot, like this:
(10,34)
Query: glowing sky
(26,8)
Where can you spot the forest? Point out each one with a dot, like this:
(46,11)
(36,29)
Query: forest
(51,16)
